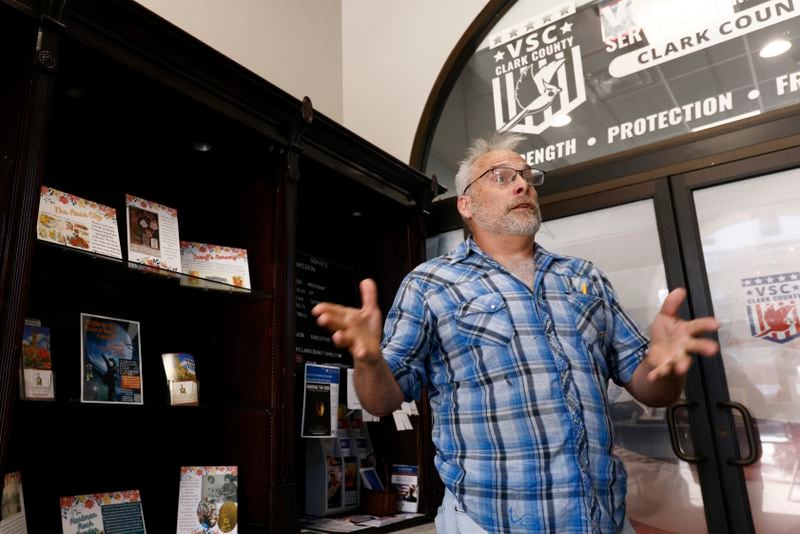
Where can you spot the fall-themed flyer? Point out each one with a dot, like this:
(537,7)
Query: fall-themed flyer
(204,262)
(78,223)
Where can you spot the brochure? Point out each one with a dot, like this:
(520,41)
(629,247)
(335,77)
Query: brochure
(181,378)
(12,514)
(320,395)
(208,501)
(152,234)
(75,222)
(226,265)
(119,512)
(37,363)
(112,364)
(404,483)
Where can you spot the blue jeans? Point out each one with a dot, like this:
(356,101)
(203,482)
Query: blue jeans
(451,519)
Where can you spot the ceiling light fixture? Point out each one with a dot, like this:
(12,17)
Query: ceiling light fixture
(775,48)
(561,120)
(202,146)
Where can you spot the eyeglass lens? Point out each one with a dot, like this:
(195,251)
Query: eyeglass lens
(506,175)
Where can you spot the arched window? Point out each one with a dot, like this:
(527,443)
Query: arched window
(591,80)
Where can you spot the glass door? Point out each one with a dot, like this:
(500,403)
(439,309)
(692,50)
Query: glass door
(664,493)
(742,222)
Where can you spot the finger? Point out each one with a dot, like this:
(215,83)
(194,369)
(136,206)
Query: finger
(369,294)
(681,367)
(334,320)
(673,302)
(326,307)
(702,325)
(702,346)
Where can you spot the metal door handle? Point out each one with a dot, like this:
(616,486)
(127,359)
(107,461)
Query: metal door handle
(752,442)
(673,433)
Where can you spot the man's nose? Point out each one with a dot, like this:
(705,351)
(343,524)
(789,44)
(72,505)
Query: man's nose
(520,184)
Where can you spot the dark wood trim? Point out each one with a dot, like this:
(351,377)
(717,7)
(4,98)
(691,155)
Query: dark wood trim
(18,244)
(447,77)
(128,33)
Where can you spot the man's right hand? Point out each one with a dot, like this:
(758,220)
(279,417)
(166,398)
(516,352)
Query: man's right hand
(358,330)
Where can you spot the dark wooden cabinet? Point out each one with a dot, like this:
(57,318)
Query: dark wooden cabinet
(100,98)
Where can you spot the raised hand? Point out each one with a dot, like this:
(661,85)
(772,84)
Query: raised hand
(673,340)
(358,330)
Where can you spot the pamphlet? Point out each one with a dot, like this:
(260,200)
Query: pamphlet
(208,501)
(112,362)
(371,479)
(320,395)
(12,514)
(75,222)
(152,234)
(226,265)
(119,512)
(37,363)
(181,378)
(404,483)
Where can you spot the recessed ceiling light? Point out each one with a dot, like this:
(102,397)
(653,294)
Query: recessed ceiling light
(561,120)
(356,213)
(202,146)
(775,48)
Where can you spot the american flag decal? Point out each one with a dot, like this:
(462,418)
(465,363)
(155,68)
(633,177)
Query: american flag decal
(773,306)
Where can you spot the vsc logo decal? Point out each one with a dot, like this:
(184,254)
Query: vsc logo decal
(538,73)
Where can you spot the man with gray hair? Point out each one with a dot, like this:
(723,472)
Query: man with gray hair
(516,346)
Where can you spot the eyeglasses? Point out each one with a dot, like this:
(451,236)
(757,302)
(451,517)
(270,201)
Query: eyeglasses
(502,176)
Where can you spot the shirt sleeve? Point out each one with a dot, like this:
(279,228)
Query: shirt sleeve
(407,335)
(625,343)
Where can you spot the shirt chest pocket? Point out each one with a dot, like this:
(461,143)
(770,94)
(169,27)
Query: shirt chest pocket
(485,320)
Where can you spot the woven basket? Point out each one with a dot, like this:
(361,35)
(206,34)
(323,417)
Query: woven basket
(380,502)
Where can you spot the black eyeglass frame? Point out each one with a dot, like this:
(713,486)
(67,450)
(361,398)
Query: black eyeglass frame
(538,176)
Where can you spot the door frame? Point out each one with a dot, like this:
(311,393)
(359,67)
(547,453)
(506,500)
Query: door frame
(732,480)
(658,190)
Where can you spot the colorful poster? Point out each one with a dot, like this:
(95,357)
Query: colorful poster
(112,363)
(208,502)
(78,223)
(119,512)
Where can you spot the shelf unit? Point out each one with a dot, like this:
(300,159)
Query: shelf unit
(101,98)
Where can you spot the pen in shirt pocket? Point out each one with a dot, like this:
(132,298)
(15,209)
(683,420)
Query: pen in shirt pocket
(582,285)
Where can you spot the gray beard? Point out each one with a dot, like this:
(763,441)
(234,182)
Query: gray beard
(507,225)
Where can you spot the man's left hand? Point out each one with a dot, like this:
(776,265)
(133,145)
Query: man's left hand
(673,340)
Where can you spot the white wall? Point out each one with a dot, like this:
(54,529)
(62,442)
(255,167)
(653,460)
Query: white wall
(295,44)
(392,53)
(367,64)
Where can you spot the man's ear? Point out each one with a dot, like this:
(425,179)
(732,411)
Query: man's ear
(464,204)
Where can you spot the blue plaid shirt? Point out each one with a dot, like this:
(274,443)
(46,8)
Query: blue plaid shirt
(517,381)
